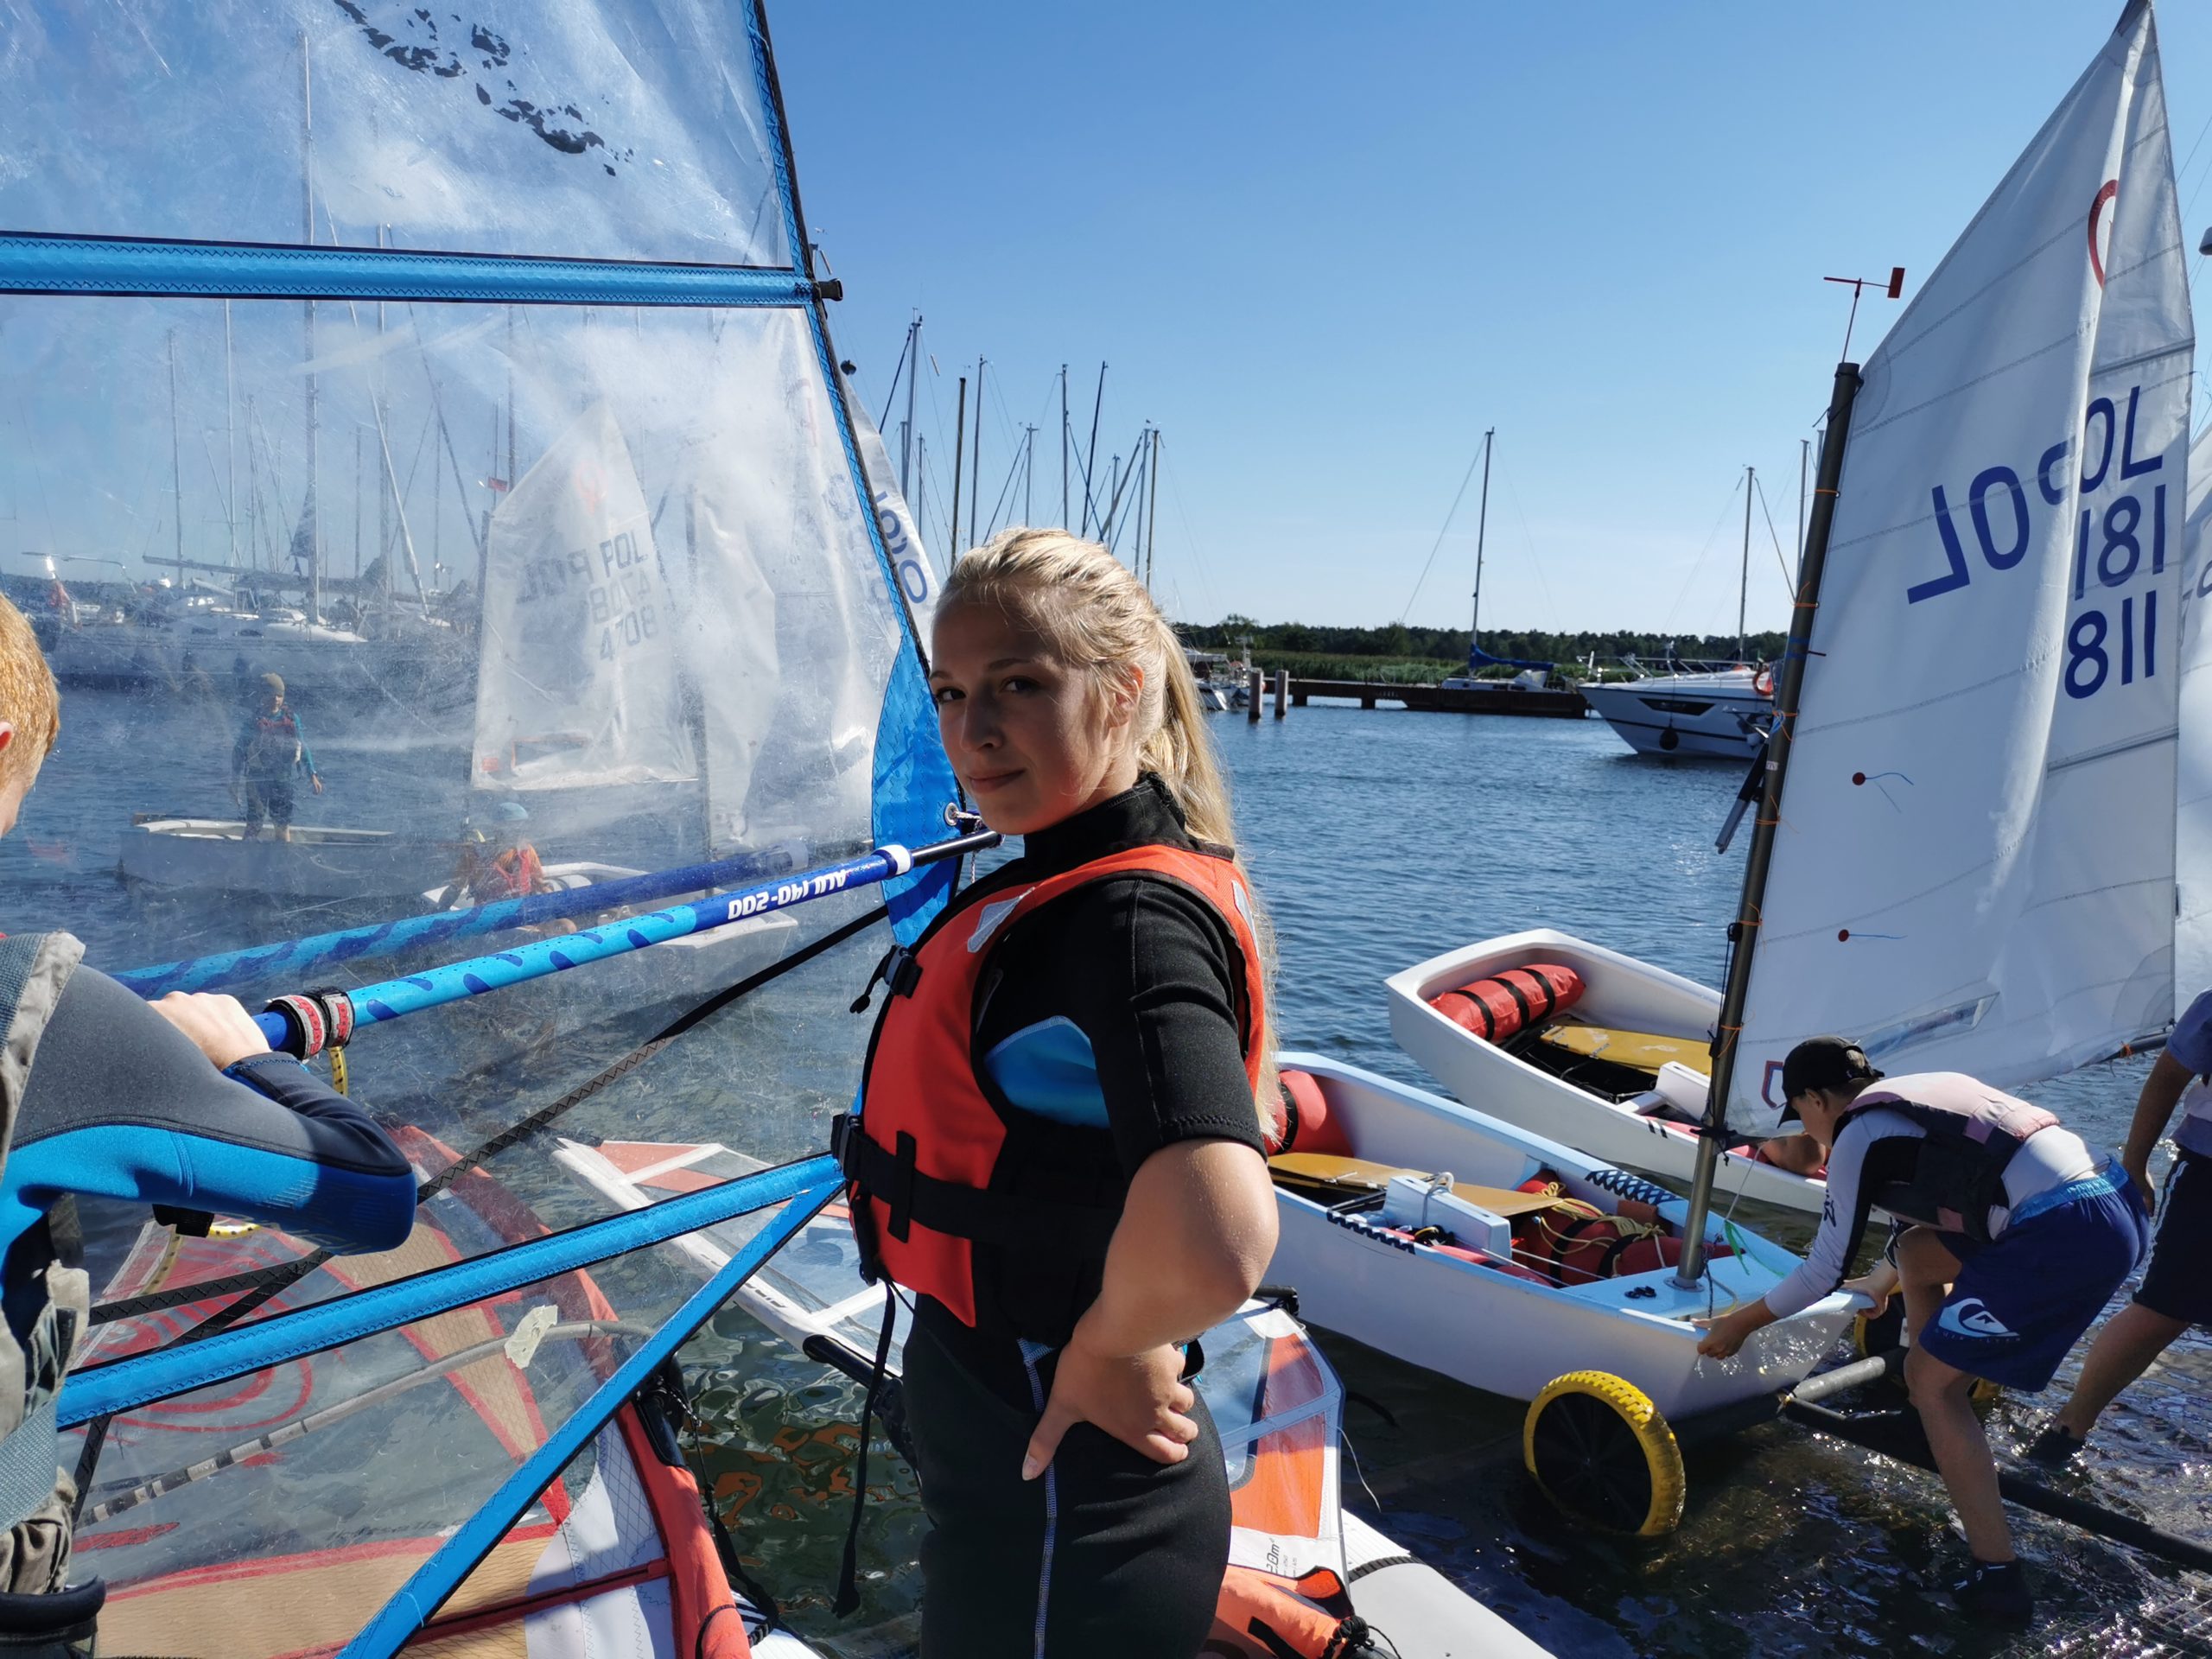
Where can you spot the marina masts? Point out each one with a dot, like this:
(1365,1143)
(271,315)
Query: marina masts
(1743,934)
(975,481)
(907,433)
(312,512)
(176,469)
(1152,509)
(1064,446)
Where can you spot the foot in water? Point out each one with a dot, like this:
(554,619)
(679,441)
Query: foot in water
(2055,1448)
(1996,1592)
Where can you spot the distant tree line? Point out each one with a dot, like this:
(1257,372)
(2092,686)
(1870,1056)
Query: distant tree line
(1399,643)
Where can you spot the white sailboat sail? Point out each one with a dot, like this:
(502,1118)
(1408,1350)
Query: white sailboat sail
(2193,785)
(577,685)
(1975,865)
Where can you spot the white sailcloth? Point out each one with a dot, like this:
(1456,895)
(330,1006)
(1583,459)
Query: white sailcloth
(577,685)
(2193,785)
(1974,869)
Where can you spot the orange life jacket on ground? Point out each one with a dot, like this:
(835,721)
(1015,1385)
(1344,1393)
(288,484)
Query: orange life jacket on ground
(922,1156)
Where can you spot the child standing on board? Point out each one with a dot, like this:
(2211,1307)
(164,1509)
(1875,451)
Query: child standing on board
(1059,1146)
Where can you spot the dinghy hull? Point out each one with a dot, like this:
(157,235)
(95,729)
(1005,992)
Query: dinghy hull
(1506,1334)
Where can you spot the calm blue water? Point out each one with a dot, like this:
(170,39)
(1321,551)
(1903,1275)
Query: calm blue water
(1377,838)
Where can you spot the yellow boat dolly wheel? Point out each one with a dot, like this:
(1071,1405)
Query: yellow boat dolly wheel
(1604,1455)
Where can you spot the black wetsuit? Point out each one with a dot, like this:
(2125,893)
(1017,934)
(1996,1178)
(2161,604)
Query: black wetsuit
(1111,1016)
(120,1104)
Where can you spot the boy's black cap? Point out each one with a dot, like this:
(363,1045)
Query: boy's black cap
(1822,1063)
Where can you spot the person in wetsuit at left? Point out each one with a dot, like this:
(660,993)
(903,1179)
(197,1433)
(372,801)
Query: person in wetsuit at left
(179,1104)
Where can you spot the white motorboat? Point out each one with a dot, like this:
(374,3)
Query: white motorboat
(1591,1078)
(1721,714)
(1276,1404)
(319,861)
(1497,1317)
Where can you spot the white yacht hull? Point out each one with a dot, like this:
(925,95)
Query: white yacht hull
(1711,716)
(1621,992)
(318,862)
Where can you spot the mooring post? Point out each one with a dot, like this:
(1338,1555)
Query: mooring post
(1259,690)
(1282,692)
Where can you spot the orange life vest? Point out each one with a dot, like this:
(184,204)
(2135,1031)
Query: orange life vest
(922,1156)
(513,874)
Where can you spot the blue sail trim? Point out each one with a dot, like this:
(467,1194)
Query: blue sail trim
(39,264)
(437,1578)
(127,1384)
(913,784)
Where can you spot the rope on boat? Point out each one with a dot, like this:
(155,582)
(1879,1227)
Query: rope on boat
(288,957)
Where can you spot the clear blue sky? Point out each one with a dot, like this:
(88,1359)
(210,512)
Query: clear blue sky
(1323,247)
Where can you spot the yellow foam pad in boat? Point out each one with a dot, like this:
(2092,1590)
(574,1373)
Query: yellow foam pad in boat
(1644,1050)
(1324,1175)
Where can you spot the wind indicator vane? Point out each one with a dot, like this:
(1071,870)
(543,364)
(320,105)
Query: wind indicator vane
(1894,287)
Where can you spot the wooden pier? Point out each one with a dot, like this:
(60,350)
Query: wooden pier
(1498,698)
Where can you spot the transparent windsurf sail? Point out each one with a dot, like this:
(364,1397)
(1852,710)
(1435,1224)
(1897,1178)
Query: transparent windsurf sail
(466,374)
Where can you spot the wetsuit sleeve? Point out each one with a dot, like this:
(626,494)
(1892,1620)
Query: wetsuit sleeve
(307,755)
(120,1104)
(1146,972)
(1843,1214)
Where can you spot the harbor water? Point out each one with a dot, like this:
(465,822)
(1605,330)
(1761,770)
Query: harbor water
(1376,838)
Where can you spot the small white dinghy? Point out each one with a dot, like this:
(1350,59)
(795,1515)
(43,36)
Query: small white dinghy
(1503,1323)
(319,861)
(1591,1078)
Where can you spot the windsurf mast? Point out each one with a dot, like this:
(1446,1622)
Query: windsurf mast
(1743,935)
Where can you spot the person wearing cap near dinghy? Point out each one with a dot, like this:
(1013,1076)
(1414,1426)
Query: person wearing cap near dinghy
(2012,1237)
(2177,1290)
(177,1103)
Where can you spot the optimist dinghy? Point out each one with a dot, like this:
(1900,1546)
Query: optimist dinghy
(1616,1064)
(1509,1262)
(1306,1579)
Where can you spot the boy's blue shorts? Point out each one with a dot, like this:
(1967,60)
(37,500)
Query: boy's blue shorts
(2022,1302)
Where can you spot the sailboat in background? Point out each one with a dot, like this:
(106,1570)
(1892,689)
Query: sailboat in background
(1975,869)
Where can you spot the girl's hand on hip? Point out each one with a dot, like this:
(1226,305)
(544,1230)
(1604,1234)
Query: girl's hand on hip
(1141,1400)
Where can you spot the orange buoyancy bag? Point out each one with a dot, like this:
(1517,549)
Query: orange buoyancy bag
(1259,1616)
(1307,1123)
(1496,1007)
(922,1157)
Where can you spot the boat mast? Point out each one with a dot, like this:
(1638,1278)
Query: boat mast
(913,377)
(1064,446)
(306,206)
(1743,582)
(1804,448)
(1090,464)
(1151,512)
(1743,936)
(1482,529)
(1028,474)
(176,469)
(230,437)
(959,451)
(975,479)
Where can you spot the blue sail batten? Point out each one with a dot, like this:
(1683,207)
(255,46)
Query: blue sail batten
(126,1384)
(32,264)
(413,1602)
(264,962)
